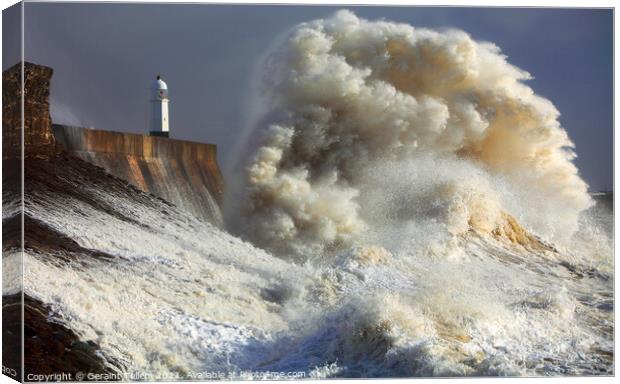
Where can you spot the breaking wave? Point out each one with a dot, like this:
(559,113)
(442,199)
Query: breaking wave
(374,120)
(418,214)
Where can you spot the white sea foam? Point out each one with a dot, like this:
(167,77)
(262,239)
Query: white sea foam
(347,95)
(184,297)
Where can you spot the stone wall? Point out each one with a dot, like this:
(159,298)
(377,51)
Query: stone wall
(38,136)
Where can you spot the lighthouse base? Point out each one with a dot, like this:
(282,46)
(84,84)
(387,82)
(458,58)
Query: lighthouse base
(159,133)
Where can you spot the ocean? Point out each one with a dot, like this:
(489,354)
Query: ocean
(412,209)
(164,295)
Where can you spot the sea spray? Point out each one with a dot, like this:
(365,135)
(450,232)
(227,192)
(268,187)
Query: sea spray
(346,95)
(392,150)
(167,296)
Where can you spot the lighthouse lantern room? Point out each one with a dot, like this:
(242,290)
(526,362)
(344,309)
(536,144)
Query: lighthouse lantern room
(159,109)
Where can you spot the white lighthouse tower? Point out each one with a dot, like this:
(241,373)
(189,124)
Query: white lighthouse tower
(159,109)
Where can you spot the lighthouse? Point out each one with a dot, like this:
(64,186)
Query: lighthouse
(159,109)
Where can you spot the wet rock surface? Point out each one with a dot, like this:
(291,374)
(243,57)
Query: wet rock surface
(49,347)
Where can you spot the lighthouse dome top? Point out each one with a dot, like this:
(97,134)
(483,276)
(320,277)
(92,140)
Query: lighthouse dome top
(160,84)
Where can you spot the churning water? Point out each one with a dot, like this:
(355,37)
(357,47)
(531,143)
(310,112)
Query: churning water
(413,210)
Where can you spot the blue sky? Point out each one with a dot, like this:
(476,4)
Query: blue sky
(106,55)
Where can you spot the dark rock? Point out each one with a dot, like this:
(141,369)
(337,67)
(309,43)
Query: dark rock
(49,347)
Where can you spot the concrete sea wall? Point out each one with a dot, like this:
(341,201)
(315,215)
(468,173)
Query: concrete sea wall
(181,172)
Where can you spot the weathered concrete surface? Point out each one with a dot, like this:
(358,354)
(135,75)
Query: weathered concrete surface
(38,137)
(181,172)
